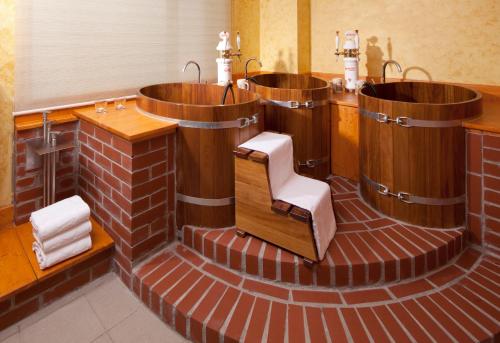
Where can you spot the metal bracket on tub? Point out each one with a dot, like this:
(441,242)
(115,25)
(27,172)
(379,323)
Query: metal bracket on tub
(245,122)
(409,122)
(312,163)
(294,104)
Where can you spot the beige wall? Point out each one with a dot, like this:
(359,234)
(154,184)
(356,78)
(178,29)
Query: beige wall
(452,40)
(6,98)
(245,18)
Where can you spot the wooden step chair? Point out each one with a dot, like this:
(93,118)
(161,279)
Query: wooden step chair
(257,213)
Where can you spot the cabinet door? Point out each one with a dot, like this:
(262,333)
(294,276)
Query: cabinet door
(345,141)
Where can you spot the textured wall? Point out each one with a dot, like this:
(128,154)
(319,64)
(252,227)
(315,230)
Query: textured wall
(447,40)
(245,18)
(6,98)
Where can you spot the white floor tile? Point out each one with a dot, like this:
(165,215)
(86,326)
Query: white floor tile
(143,326)
(13,339)
(112,302)
(76,322)
(103,339)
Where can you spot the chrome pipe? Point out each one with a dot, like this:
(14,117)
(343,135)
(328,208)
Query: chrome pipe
(246,65)
(386,63)
(197,66)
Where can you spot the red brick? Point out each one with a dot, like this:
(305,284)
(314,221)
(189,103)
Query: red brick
(353,259)
(122,145)
(94,144)
(340,263)
(264,288)
(112,154)
(373,224)
(171,191)
(393,327)
(354,325)
(426,321)
(103,161)
(219,316)
(258,321)
(492,240)
(30,194)
(148,216)
(139,148)
(221,246)
(491,155)
(223,274)
(492,211)
(103,135)
(165,283)
(171,151)
(493,225)
(148,187)
(415,330)
(239,319)
(148,244)
(203,309)
(492,169)
(121,173)
(127,162)
(287,266)
(189,255)
(39,287)
(468,258)
(315,324)
(326,297)
(475,230)
(474,152)
(372,324)
(5,305)
(87,152)
(149,159)
(269,262)
(94,168)
(69,170)
(18,313)
(186,281)
(405,265)
(111,180)
(410,288)
(474,193)
(334,324)
(159,224)
(235,252)
(387,258)
(364,296)
(188,302)
(159,197)
(491,182)
(25,182)
(66,287)
(252,256)
(158,169)
(101,268)
(208,242)
(323,273)
(305,273)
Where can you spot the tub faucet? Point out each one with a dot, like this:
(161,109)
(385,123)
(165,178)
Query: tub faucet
(229,86)
(197,66)
(246,65)
(385,66)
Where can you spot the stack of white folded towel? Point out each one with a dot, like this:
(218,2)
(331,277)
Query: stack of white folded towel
(61,231)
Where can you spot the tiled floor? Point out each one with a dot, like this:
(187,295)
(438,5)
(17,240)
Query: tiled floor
(103,311)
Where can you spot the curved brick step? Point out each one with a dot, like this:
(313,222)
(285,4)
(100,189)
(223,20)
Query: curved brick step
(367,249)
(208,303)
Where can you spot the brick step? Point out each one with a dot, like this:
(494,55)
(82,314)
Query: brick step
(368,248)
(208,303)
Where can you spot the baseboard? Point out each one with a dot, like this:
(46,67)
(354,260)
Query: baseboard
(6,216)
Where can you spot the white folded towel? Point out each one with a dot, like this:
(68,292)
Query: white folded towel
(46,260)
(64,238)
(59,217)
(304,192)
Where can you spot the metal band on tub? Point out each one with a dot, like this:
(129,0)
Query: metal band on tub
(296,104)
(205,201)
(208,125)
(409,122)
(413,199)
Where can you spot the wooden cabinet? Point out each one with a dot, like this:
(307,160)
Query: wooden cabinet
(345,141)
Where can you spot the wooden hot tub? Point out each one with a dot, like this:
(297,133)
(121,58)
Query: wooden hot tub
(412,150)
(207,135)
(298,105)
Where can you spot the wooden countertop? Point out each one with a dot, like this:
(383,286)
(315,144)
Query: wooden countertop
(33,121)
(128,123)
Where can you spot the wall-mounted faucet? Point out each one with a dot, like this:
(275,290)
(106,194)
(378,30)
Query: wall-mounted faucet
(386,63)
(246,65)
(229,86)
(197,66)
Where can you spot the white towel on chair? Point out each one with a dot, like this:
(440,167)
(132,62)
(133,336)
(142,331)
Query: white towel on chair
(64,238)
(59,217)
(304,192)
(46,260)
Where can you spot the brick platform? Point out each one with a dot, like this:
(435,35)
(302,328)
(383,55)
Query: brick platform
(483,188)
(125,184)
(28,188)
(208,303)
(368,248)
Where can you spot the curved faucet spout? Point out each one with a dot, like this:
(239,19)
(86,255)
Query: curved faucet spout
(246,65)
(197,66)
(229,86)
(386,63)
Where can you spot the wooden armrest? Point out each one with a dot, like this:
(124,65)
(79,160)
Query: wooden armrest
(300,214)
(258,156)
(242,152)
(281,207)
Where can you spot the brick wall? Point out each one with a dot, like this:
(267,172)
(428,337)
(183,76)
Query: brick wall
(130,189)
(483,189)
(26,302)
(28,188)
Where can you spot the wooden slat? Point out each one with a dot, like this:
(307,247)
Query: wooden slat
(242,152)
(300,214)
(281,207)
(33,121)
(258,156)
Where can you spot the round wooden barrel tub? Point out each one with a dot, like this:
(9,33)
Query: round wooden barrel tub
(207,135)
(412,150)
(298,105)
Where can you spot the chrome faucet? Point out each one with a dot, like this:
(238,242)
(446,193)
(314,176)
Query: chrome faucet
(197,66)
(229,86)
(246,65)
(385,66)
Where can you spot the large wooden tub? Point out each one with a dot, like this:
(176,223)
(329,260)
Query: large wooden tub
(298,105)
(207,135)
(412,150)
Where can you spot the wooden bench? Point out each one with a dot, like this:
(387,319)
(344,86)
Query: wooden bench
(257,213)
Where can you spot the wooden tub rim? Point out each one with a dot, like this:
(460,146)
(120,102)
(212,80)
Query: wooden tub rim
(327,86)
(478,96)
(139,93)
